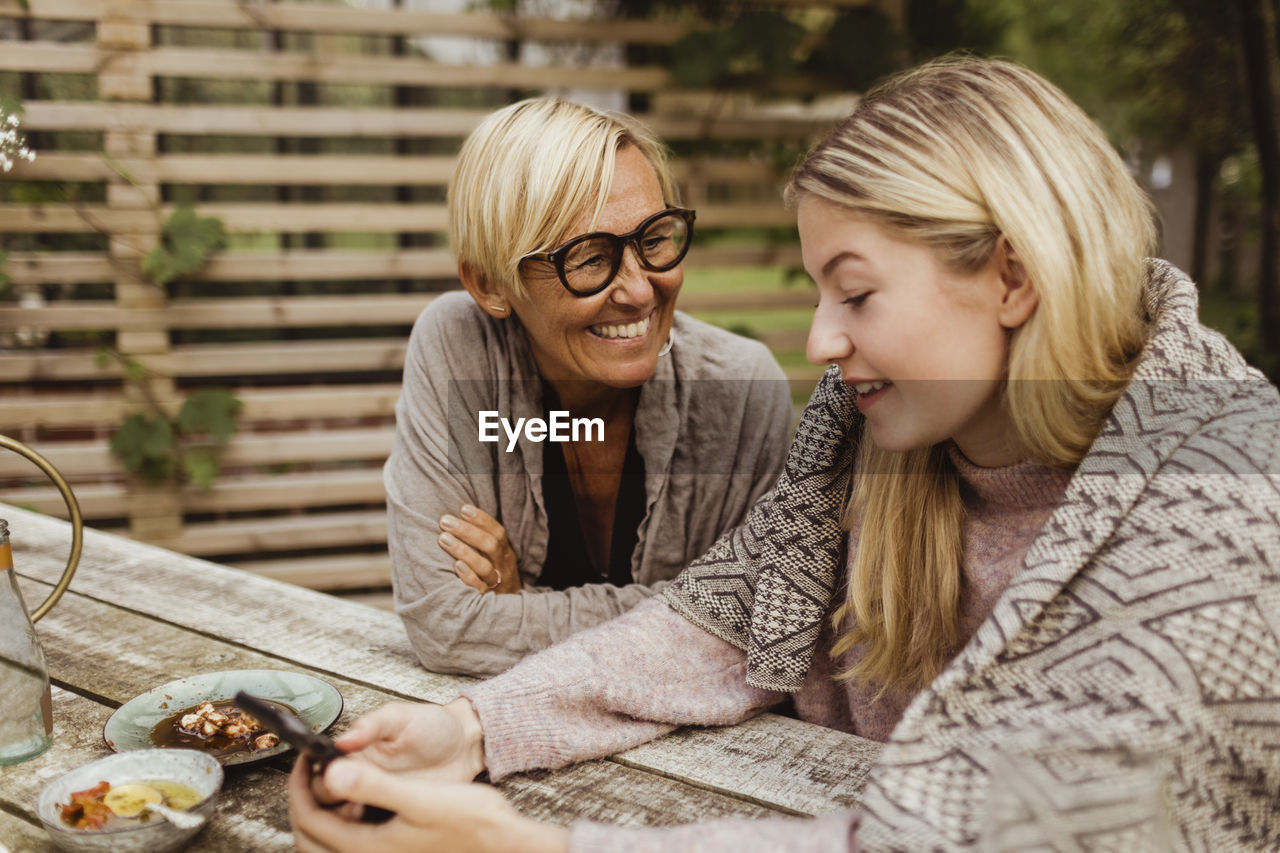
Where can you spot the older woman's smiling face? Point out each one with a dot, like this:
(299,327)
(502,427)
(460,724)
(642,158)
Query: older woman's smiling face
(611,339)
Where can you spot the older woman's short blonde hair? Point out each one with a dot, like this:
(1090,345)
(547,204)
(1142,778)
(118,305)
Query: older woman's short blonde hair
(528,172)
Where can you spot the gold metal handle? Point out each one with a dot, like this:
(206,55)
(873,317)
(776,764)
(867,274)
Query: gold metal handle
(77,523)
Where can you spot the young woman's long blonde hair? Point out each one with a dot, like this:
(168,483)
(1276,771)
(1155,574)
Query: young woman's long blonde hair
(957,155)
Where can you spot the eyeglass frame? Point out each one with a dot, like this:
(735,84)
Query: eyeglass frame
(557,255)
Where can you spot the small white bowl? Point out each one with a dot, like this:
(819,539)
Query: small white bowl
(188,766)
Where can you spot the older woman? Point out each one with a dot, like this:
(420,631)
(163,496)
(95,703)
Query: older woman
(566,440)
(1030,519)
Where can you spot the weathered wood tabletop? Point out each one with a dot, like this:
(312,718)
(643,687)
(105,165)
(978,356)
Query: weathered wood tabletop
(138,616)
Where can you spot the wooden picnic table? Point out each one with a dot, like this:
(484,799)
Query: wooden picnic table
(138,616)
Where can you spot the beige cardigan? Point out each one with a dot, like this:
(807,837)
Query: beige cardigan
(712,426)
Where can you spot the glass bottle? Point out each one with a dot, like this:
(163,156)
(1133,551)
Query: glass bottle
(26,705)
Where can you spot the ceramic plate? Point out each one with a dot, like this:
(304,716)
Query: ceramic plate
(317,702)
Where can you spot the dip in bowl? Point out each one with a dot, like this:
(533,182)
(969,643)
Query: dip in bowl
(175,770)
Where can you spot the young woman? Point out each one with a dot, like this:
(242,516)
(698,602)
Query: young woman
(569,243)
(1033,507)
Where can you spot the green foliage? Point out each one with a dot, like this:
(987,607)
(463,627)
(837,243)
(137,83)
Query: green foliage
(11,105)
(749,50)
(187,240)
(939,27)
(155,447)
(4,279)
(145,445)
(133,369)
(848,50)
(860,46)
(1164,71)
(210,412)
(200,467)
(28,192)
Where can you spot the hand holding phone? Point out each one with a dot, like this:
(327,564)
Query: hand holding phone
(318,748)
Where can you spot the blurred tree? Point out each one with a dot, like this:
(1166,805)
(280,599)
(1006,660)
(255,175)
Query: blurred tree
(1256,20)
(1162,74)
(755,45)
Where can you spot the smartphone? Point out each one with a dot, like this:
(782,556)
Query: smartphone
(318,748)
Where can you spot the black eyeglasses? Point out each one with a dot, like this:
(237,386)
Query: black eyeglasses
(587,264)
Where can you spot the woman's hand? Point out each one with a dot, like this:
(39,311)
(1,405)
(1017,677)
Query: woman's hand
(439,743)
(429,815)
(482,555)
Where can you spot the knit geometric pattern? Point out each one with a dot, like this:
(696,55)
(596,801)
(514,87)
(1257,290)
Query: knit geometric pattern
(765,585)
(1138,647)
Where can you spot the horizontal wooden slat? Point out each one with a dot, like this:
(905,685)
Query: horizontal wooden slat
(318,68)
(370,309)
(281,533)
(283,218)
(371,399)
(244,169)
(363,170)
(96,501)
(366,123)
(318,18)
(333,572)
(328,265)
(21,411)
(228,494)
(289,490)
(90,458)
(213,360)
(380,600)
(337,265)
(58,268)
(239,218)
(793,339)
(792,297)
(250,120)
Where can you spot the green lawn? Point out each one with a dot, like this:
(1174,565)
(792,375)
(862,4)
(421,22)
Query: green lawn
(1236,316)
(746,280)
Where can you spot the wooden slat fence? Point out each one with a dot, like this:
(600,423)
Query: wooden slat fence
(322,136)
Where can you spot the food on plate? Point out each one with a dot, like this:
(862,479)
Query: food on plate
(106,806)
(217,727)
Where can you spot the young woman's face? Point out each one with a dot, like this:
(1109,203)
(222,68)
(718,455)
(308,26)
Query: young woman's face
(924,347)
(612,338)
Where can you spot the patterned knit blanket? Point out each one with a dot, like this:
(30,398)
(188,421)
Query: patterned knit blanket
(1125,692)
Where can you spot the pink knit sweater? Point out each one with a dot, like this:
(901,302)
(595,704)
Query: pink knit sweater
(649,671)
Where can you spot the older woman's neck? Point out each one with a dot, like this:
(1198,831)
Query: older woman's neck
(591,399)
